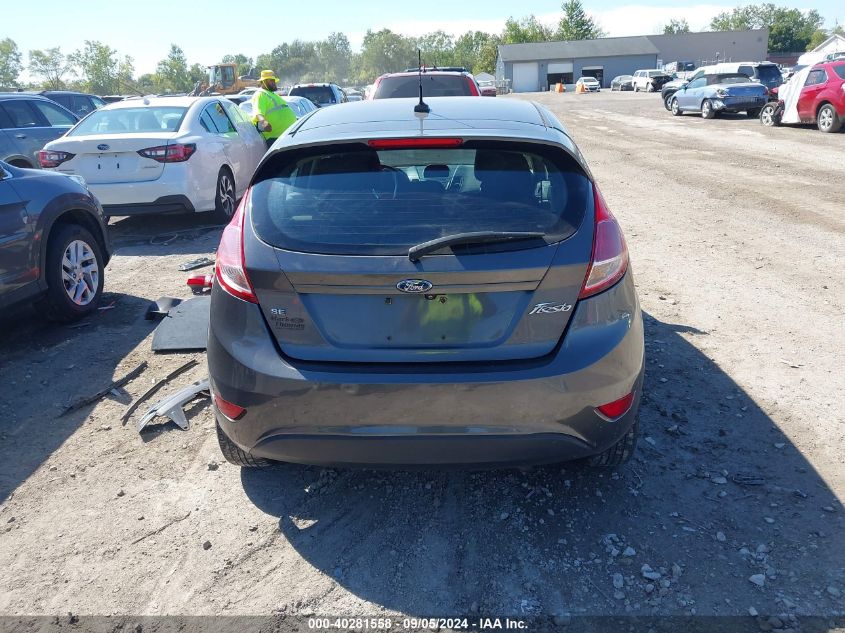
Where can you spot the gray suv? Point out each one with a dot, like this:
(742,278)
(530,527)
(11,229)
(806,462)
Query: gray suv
(27,123)
(433,288)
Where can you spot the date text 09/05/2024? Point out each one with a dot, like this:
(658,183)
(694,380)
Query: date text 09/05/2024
(364,624)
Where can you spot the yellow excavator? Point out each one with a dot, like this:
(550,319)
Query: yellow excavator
(223,79)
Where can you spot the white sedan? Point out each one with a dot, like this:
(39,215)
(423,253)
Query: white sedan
(161,154)
(590,84)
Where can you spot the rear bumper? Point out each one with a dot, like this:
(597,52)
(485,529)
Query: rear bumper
(165,204)
(452,413)
(739,104)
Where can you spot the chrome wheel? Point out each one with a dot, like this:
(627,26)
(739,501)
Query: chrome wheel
(226,193)
(825,119)
(80,273)
(767,116)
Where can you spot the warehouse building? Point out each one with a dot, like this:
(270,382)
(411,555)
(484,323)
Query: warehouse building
(534,67)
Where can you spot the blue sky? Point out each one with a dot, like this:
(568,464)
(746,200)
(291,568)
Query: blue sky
(208,30)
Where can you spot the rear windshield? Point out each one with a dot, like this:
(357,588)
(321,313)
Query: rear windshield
(321,95)
(839,69)
(123,120)
(433,86)
(367,202)
(769,74)
(732,79)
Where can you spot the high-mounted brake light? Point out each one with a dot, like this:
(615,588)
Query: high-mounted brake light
(415,143)
(617,408)
(229,268)
(176,153)
(53,158)
(609,260)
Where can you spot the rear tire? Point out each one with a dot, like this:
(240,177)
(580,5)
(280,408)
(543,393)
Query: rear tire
(827,120)
(649,87)
(770,115)
(234,455)
(636,88)
(74,266)
(667,102)
(707,111)
(621,452)
(753,113)
(224,195)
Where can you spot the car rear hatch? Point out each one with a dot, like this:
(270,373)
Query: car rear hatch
(329,230)
(103,160)
(106,143)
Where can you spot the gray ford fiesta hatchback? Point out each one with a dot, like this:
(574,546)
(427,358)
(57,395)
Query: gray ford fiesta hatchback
(424,289)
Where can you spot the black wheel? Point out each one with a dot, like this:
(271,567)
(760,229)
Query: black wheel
(676,107)
(620,453)
(74,274)
(753,113)
(827,120)
(707,111)
(667,101)
(636,88)
(224,196)
(770,115)
(234,455)
(649,87)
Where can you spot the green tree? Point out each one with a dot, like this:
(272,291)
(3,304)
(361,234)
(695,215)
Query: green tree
(527,29)
(488,56)
(819,36)
(676,26)
(197,73)
(576,24)
(468,47)
(10,63)
(50,66)
(98,66)
(437,48)
(385,51)
(172,72)
(334,55)
(789,29)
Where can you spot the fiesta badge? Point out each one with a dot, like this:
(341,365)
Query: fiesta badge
(414,285)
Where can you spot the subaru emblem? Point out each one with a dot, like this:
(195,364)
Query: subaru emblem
(414,285)
(103,147)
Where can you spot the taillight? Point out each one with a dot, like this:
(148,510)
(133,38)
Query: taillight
(617,408)
(473,89)
(415,143)
(230,269)
(175,153)
(229,409)
(53,158)
(609,260)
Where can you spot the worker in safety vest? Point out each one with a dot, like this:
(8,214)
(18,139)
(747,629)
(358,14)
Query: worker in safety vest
(271,115)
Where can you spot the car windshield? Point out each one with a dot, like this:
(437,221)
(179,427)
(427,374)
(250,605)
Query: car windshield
(131,120)
(733,79)
(656,73)
(433,86)
(362,201)
(321,95)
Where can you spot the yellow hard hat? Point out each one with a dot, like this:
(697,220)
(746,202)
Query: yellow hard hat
(268,74)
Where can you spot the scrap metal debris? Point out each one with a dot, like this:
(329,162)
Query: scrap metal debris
(196,263)
(172,405)
(158,385)
(185,328)
(132,375)
(158,309)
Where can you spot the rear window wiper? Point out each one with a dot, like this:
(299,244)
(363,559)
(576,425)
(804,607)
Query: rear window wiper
(476,237)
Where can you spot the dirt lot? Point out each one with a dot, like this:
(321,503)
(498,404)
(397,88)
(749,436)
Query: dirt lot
(737,238)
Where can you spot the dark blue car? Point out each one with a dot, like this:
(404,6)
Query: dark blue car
(712,94)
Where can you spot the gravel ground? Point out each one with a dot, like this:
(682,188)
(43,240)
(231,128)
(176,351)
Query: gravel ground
(731,506)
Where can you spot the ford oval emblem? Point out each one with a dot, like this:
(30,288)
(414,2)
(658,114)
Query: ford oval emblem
(414,285)
(103,147)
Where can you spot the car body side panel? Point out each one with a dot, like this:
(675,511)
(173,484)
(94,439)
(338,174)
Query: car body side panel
(15,238)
